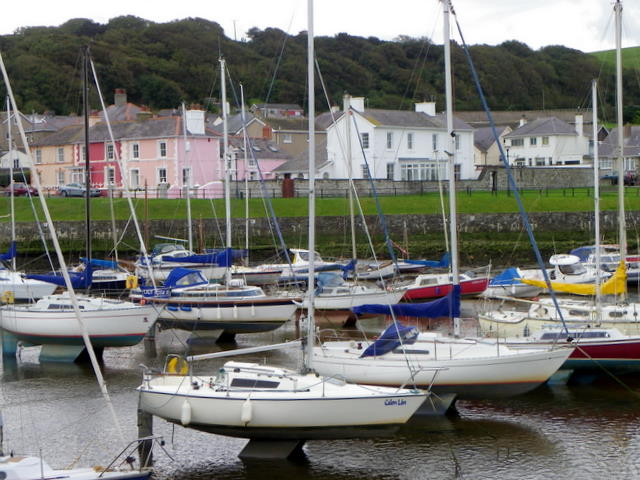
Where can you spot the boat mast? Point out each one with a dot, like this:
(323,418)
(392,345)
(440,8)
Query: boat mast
(188,189)
(620,160)
(312,192)
(226,161)
(87,164)
(246,174)
(349,116)
(596,188)
(11,185)
(451,153)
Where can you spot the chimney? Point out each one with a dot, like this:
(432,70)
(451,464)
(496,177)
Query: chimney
(195,122)
(335,109)
(426,107)
(120,97)
(579,125)
(523,121)
(357,103)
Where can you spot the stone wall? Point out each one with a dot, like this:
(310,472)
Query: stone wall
(490,178)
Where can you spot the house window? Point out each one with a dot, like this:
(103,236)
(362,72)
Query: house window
(365,171)
(162,175)
(110,175)
(545,140)
(60,154)
(517,142)
(134,175)
(109,151)
(16,163)
(60,177)
(390,171)
(287,138)
(410,141)
(162,149)
(135,151)
(38,158)
(364,137)
(457,141)
(83,151)
(186,177)
(533,141)
(539,161)
(456,172)
(434,142)
(389,140)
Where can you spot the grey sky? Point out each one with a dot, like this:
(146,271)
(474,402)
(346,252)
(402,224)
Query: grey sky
(586,25)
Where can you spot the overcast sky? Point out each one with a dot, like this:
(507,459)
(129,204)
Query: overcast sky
(586,25)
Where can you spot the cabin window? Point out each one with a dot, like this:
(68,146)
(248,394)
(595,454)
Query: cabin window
(253,383)
(617,314)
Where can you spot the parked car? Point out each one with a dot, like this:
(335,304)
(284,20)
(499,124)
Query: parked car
(630,178)
(76,190)
(20,189)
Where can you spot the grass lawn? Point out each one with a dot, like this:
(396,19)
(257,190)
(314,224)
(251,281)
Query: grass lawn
(72,209)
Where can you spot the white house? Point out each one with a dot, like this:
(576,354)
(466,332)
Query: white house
(394,144)
(547,141)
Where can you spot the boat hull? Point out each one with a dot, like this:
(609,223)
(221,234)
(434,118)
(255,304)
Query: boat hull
(469,288)
(490,377)
(316,412)
(106,328)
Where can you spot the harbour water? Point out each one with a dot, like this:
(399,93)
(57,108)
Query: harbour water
(578,431)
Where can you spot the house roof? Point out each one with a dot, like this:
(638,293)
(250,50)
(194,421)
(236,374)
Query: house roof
(234,123)
(512,118)
(150,128)
(631,142)
(300,163)
(408,119)
(543,126)
(483,137)
(263,149)
(284,106)
(122,113)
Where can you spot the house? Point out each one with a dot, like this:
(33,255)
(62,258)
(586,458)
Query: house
(255,126)
(547,141)
(259,160)
(395,145)
(608,151)
(155,152)
(487,151)
(277,110)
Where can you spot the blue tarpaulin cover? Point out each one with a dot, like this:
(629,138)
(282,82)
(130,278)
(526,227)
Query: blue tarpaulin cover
(448,306)
(11,253)
(78,279)
(442,263)
(506,277)
(395,335)
(96,263)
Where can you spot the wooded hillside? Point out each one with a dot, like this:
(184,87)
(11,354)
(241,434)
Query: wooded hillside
(162,64)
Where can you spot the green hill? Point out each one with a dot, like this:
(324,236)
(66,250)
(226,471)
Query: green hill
(161,64)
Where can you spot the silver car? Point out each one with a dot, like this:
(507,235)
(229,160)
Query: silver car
(76,190)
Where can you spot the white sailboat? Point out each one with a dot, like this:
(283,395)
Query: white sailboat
(453,367)
(263,402)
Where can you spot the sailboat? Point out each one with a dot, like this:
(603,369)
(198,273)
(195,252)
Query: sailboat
(283,408)
(34,467)
(51,321)
(454,367)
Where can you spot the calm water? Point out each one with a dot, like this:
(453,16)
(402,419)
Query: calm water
(587,431)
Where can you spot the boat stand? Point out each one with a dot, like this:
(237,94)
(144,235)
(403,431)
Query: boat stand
(266,449)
